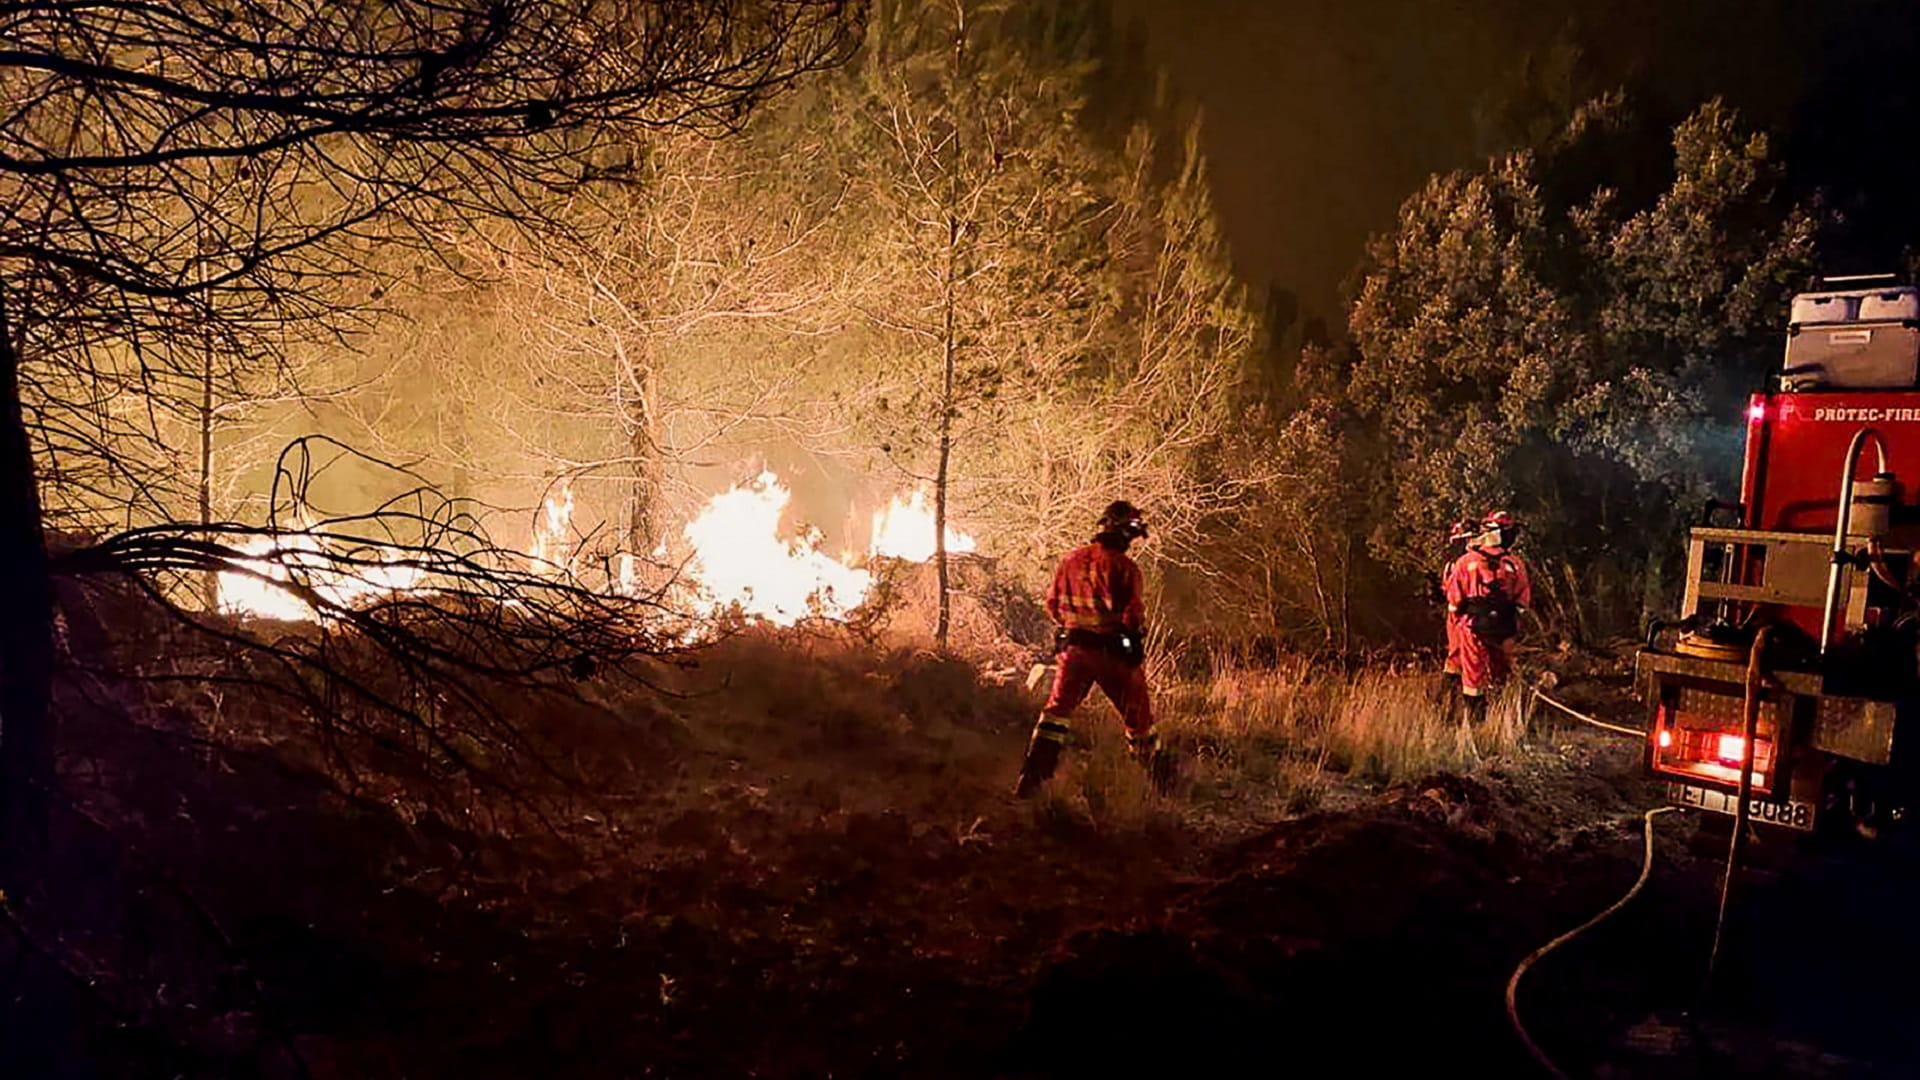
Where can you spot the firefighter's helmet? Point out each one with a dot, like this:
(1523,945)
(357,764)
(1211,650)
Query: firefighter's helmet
(1462,530)
(1498,531)
(1124,518)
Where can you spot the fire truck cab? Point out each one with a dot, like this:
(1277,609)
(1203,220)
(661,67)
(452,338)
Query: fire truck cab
(1820,554)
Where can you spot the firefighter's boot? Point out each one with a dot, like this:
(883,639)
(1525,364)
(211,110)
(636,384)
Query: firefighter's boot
(1145,748)
(1050,736)
(1476,709)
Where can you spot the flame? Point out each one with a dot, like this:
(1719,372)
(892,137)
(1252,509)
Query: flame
(739,558)
(299,557)
(548,552)
(904,530)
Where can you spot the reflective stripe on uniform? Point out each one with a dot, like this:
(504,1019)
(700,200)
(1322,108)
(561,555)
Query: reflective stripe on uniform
(1054,730)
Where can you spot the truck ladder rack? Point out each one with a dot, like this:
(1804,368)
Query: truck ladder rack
(1791,568)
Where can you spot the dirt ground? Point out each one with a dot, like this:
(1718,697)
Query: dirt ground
(806,865)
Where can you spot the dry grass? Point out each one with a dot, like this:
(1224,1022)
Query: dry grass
(1103,787)
(1256,743)
(1277,736)
(1393,727)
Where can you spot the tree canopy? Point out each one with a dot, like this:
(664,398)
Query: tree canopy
(1526,338)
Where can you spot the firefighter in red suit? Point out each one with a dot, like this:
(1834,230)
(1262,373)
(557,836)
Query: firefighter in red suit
(1099,613)
(1487,592)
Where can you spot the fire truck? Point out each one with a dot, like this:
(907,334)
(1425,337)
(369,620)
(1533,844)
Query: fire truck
(1790,673)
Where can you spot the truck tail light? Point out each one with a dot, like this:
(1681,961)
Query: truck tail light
(1698,738)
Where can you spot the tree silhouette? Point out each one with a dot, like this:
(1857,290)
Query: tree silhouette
(174,170)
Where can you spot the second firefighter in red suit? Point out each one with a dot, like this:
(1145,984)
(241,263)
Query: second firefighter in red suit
(1487,592)
(1098,607)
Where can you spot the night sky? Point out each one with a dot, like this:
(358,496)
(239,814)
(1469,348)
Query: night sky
(1322,115)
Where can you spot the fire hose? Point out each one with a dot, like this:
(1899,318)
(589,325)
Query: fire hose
(1750,722)
(1750,714)
(1540,695)
(1513,983)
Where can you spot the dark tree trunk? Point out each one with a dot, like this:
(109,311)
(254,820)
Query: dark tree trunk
(26,635)
(949,347)
(209,581)
(942,624)
(642,527)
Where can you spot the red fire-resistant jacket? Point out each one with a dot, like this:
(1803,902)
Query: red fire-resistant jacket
(1097,588)
(1476,571)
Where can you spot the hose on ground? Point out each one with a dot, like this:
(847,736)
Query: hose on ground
(1750,717)
(1749,730)
(1513,983)
(1540,695)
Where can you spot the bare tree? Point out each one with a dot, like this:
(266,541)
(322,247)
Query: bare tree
(1061,324)
(980,186)
(680,323)
(645,340)
(168,166)
(1149,412)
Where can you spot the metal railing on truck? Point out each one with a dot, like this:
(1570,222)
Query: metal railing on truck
(1792,571)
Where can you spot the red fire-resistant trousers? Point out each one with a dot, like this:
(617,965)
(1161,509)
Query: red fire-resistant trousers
(1483,664)
(1080,669)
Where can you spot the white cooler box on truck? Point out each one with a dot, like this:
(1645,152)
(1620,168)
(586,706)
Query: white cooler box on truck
(1861,339)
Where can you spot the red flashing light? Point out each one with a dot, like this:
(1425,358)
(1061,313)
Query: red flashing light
(1665,739)
(1756,412)
(1731,748)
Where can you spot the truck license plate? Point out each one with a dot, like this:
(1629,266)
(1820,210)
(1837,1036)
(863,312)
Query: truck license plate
(1792,814)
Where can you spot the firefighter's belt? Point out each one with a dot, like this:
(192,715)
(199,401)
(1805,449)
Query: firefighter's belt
(1093,639)
(1124,644)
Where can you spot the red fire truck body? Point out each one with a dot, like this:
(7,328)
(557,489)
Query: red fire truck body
(1820,557)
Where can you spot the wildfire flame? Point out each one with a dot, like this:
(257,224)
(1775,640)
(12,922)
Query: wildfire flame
(300,557)
(904,530)
(740,559)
